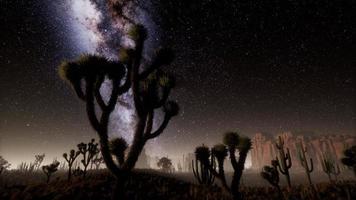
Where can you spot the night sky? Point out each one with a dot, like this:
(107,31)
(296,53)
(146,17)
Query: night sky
(255,66)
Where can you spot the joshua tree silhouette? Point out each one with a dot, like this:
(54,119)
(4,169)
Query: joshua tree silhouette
(70,160)
(150,90)
(232,142)
(88,152)
(50,169)
(271,174)
(201,172)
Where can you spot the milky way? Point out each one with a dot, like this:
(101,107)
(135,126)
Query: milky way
(101,33)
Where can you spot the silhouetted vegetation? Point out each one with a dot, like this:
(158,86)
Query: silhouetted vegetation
(88,151)
(165,164)
(308,167)
(201,172)
(70,160)
(271,174)
(50,169)
(284,160)
(4,164)
(232,142)
(350,158)
(330,167)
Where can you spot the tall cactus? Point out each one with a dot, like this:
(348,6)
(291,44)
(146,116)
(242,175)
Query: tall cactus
(284,160)
(350,158)
(330,167)
(304,162)
(201,172)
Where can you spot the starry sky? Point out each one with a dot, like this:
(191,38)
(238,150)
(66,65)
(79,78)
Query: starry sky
(247,65)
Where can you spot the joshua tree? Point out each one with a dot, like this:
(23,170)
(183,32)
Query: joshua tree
(350,158)
(70,160)
(38,161)
(284,160)
(50,169)
(271,174)
(243,144)
(233,142)
(219,152)
(330,167)
(165,164)
(150,87)
(88,152)
(304,162)
(4,164)
(201,171)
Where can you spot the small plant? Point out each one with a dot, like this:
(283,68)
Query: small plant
(78,172)
(165,164)
(350,158)
(4,165)
(97,161)
(271,174)
(50,169)
(38,161)
(201,172)
(330,167)
(304,162)
(118,147)
(88,152)
(70,160)
(284,160)
(25,167)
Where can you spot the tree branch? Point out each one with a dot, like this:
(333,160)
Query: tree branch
(164,124)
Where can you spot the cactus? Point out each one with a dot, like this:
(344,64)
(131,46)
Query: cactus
(284,160)
(271,174)
(330,167)
(50,169)
(304,162)
(350,158)
(201,171)
(4,165)
(70,160)
(88,152)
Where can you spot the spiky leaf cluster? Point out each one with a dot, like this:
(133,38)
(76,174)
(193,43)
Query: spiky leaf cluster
(202,153)
(219,151)
(231,139)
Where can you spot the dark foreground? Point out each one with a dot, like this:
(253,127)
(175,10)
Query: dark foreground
(150,185)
